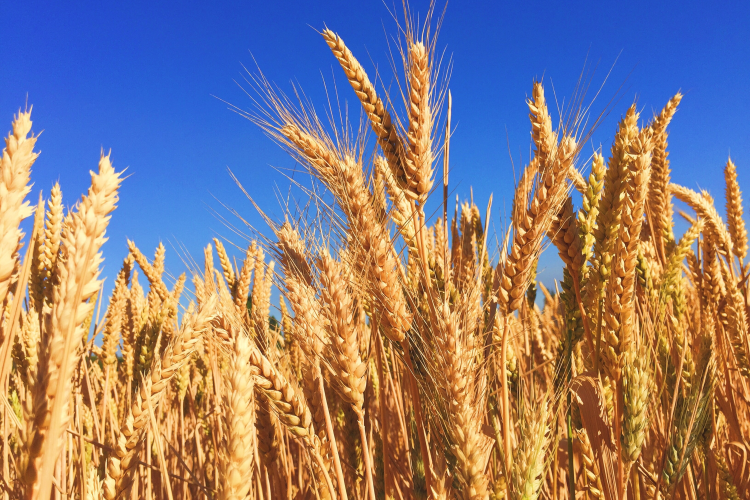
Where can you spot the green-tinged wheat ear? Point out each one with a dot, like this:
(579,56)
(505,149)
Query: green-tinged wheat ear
(528,466)
(637,387)
(691,416)
(590,209)
(726,480)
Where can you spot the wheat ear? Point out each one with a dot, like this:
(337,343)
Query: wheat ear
(242,289)
(152,271)
(418,164)
(380,119)
(226,265)
(528,458)
(290,407)
(78,272)
(15,168)
(659,201)
(636,380)
(51,245)
(590,467)
(735,220)
(236,462)
(527,236)
(619,312)
(706,210)
(347,336)
(350,369)
(373,247)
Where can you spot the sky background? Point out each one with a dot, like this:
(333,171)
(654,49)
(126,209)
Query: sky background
(148,80)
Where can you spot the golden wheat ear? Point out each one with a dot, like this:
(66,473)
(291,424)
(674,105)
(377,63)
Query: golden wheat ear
(380,119)
(15,170)
(237,460)
(735,219)
(78,273)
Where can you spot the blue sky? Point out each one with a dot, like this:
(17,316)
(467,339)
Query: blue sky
(139,78)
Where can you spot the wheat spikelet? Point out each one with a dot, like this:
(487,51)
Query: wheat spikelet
(576,178)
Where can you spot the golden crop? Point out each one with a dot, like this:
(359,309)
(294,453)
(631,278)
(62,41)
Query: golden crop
(407,363)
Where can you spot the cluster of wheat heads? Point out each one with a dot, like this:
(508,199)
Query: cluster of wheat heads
(409,361)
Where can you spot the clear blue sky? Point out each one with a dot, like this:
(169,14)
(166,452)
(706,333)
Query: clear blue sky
(138,77)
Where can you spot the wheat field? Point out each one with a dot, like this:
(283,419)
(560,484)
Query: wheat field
(409,356)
